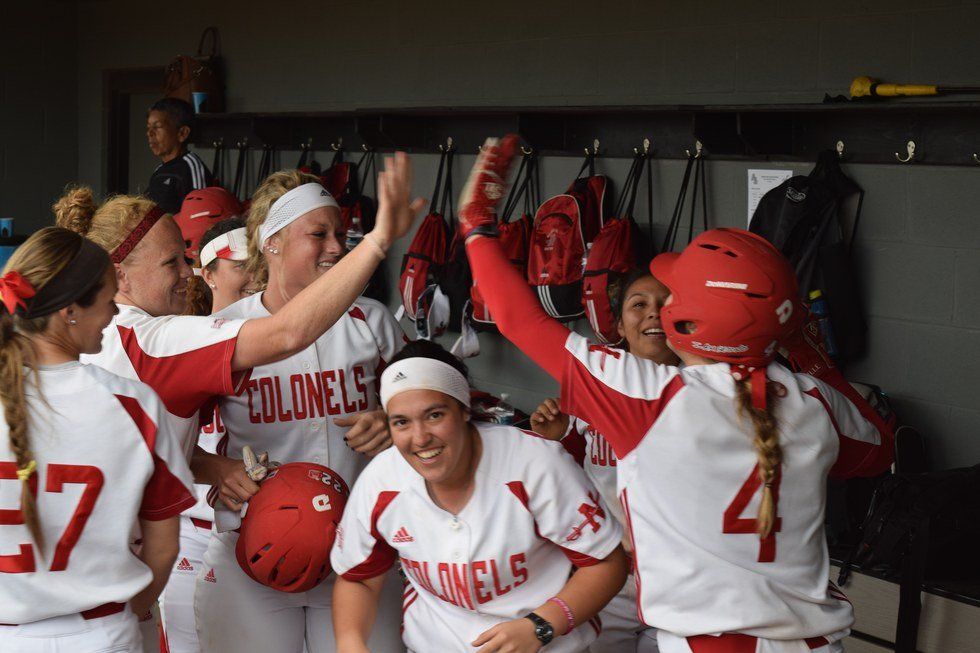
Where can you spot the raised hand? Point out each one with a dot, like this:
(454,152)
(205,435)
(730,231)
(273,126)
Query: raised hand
(548,420)
(486,186)
(396,211)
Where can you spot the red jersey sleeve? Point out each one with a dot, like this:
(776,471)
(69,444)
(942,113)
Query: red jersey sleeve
(185,359)
(515,309)
(619,394)
(169,490)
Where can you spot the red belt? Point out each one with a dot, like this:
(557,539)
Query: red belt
(202,523)
(103,610)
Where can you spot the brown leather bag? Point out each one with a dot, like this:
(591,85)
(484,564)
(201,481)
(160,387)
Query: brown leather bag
(199,73)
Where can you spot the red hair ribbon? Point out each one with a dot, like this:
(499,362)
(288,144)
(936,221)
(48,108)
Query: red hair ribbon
(757,376)
(14,291)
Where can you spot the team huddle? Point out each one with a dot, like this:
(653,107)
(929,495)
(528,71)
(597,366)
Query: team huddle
(285,472)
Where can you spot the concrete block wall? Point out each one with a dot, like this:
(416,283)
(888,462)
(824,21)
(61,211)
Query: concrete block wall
(920,235)
(38,101)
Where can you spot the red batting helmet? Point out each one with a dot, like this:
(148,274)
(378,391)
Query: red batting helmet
(290,525)
(739,293)
(201,209)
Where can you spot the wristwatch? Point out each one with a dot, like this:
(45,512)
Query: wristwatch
(543,630)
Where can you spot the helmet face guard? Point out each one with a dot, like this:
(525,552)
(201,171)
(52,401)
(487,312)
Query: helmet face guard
(290,526)
(733,297)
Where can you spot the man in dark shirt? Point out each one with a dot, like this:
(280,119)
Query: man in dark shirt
(169,124)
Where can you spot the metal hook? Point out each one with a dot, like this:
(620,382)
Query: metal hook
(448,146)
(307,145)
(840,149)
(242,143)
(646,147)
(219,143)
(910,147)
(595,148)
(976,159)
(527,151)
(338,145)
(697,150)
(364,146)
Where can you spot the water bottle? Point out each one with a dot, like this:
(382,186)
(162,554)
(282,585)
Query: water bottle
(818,306)
(355,234)
(503,412)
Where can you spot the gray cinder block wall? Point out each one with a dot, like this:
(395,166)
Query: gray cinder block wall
(919,242)
(38,108)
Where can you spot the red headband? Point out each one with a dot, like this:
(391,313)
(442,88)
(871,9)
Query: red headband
(136,235)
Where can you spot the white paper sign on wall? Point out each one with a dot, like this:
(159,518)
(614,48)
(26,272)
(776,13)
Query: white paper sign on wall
(760,183)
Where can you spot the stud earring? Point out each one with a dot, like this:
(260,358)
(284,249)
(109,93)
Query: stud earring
(72,322)
(212,285)
(273,250)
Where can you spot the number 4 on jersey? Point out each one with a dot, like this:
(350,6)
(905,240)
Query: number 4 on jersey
(57,477)
(734,523)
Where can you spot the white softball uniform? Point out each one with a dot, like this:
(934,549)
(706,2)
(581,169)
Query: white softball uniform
(689,487)
(622,629)
(288,409)
(187,361)
(532,516)
(107,455)
(179,631)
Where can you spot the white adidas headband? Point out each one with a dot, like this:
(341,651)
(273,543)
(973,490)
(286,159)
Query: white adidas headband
(421,373)
(231,245)
(293,205)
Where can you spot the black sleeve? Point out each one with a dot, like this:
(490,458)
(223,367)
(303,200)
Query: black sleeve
(169,184)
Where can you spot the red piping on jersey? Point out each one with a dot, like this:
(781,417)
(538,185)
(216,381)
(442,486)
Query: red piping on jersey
(855,457)
(185,381)
(164,495)
(515,309)
(382,555)
(357,314)
(576,558)
(624,499)
(622,420)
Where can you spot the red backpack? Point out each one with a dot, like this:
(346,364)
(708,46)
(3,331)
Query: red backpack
(563,228)
(613,255)
(514,236)
(422,265)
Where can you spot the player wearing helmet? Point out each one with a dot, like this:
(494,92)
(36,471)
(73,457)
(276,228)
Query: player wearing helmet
(723,464)
(87,457)
(319,405)
(487,522)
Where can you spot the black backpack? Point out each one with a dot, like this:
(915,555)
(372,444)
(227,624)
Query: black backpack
(920,527)
(812,220)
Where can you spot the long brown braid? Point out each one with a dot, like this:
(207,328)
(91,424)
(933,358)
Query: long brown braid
(767,448)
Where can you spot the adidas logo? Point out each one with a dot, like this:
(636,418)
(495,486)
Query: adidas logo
(402,536)
(185,565)
(399,377)
(210,577)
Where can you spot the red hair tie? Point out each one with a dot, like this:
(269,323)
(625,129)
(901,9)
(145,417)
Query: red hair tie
(14,291)
(757,376)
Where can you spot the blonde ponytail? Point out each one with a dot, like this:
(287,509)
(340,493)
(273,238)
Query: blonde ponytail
(768,451)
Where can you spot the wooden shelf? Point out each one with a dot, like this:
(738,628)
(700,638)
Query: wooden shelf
(945,133)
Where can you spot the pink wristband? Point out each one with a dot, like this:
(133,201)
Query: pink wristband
(569,617)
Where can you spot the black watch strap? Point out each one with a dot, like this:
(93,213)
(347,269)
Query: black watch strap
(543,629)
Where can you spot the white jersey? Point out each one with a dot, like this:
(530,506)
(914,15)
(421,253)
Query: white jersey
(599,463)
(288,408)
(186,359)
(689,487)
(106,455)
(532,515)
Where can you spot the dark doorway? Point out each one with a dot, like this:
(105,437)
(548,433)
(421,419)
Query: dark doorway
(121,88)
